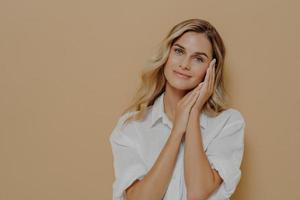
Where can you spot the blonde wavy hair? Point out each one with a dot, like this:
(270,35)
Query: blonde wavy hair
(154,81)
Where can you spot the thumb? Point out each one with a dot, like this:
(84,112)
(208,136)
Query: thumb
(201,84)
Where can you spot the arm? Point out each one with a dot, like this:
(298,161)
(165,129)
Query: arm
(155,182)
(200,178)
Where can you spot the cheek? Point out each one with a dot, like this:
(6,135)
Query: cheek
(172,60)
(200,74)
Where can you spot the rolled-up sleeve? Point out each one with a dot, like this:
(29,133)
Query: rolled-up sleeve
(225,155)
(127,163)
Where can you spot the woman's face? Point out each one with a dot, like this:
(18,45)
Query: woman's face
(190,55)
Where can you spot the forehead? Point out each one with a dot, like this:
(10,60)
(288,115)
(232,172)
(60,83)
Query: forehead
(195,42)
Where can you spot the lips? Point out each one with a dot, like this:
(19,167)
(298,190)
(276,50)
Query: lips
(181,75)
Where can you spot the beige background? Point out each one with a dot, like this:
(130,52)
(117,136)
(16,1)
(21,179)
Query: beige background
(68,68)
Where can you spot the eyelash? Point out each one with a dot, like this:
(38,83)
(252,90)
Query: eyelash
(181,51)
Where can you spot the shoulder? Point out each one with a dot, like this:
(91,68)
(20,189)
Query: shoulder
(232,115)
(227,117)
(123,131)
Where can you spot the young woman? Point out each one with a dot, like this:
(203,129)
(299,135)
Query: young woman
(179,140)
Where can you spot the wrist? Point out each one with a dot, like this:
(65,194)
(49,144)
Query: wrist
(177,132)
(196,112)
(177,136)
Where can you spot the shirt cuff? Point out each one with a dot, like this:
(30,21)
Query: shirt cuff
(124,181)
(230,175)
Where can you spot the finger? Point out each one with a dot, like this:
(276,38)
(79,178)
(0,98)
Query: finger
(193,100)
(213,64)
(197,92)
(211,71)
(185,98)
(201,84)
(212,79)
(207,74)
(190,97)
(205,82)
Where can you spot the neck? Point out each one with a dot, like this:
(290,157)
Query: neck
(171,98)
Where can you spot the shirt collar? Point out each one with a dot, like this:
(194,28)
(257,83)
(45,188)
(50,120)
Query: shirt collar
(158,113)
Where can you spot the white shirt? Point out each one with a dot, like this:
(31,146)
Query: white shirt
(137,145)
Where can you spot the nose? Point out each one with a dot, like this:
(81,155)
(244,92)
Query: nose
(185,64)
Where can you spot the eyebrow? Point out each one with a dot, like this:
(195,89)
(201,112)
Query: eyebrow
(196,53)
